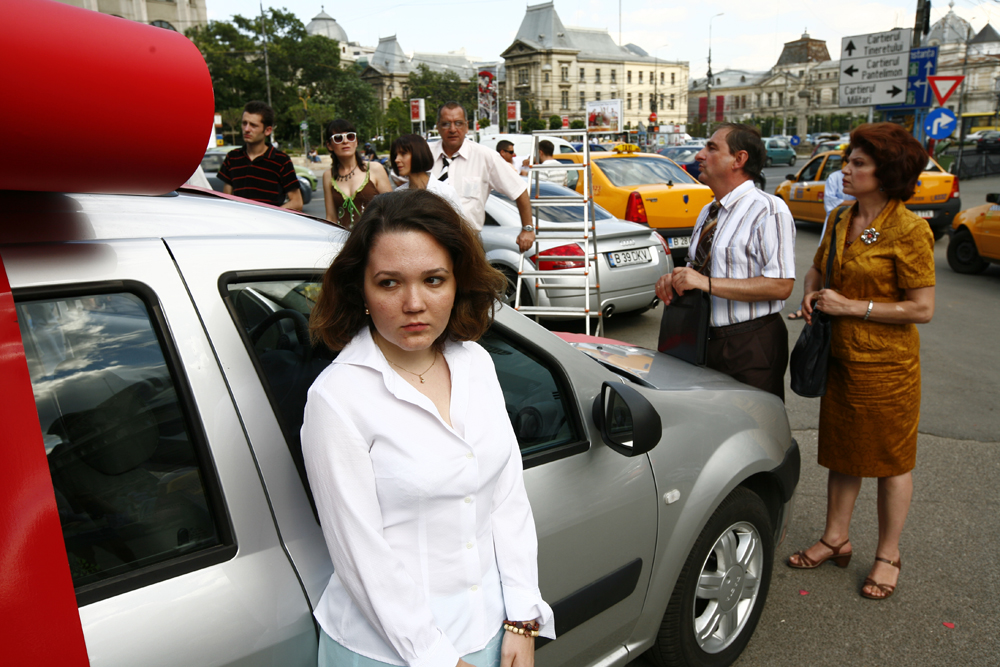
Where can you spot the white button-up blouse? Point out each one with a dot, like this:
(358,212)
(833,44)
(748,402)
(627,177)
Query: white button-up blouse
(429,527)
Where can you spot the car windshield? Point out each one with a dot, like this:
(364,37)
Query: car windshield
(560,213)
(628,171)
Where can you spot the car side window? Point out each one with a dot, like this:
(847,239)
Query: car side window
(572,176)
(833,163)
(809,172)
(131,489)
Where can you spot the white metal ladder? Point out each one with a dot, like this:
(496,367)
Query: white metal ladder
(584,233)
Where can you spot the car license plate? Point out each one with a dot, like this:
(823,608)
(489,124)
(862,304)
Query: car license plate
(626,257)
(679,241)
(925,214)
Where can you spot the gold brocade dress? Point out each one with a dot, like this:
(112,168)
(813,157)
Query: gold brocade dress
(869,415)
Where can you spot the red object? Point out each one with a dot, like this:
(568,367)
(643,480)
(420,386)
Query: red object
(702,109)
(565,121)
(666,246)
(950,626)
(37,601)
(720,107)
(652,118)
(102,104)
(635,210)
(944,86)
(568,250)
(954,188)
(512,114)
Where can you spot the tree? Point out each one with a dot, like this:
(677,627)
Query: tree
(437,88)
(530,125)
(577,124)
(306,77)
(555,122)
(397,120)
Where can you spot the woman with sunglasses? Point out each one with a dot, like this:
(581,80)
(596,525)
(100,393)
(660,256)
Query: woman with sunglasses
(410,158)
(351,183)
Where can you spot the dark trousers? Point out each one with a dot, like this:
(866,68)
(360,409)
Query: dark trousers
(757,357)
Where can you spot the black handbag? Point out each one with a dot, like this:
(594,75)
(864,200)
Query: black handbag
(811,355)
(684,327)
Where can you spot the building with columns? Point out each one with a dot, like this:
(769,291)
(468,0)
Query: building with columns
(557,70)
(177,15)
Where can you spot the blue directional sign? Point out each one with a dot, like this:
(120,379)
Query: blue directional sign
(923,63)
(940,123)
(795,140)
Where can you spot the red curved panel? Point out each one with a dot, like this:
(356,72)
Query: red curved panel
(37,602)
(96,103)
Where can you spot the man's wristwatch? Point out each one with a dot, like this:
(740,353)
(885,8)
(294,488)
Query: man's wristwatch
(527,228)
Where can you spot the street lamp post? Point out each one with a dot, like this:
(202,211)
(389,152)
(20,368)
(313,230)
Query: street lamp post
(708,85)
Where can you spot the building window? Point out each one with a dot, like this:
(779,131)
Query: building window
(640,96)
(781,99)
(597,96)
(672,78)
(545,105)
(671,100)
(164,25)
(546,77)
(613,73)
(597,76)
(640,78)
(628,76)
(770,99)
(583,100)
(522,76)
(661,78)
(583,76)
(652,77)
(628,101)
(565,100)
(743,101)
(565,74)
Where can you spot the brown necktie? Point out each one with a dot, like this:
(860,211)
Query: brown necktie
(704,250)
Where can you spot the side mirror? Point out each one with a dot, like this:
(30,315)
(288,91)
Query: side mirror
(629,423)
(993,198)
(790,177)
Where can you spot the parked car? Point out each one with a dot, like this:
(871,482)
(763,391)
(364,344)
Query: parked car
(829,145)
(214,157)
(630,258)
(779,150)
(936,199)
(684,156)
(524,143)
(988,142)
(646,188)
(975,237)
(578,146)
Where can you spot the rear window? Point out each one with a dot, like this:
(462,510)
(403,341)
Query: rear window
(629,171)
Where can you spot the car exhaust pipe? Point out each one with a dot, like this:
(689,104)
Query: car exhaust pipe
(655,303)
(609,310)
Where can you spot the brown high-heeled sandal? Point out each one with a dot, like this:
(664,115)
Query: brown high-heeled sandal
(888,589)
(807,563)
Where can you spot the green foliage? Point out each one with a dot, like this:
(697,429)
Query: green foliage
(397,120)
(437,88)
(307,80)
(555,122)
(532,124)
(577,124)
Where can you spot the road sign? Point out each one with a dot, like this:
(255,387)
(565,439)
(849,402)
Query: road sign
(944,86)
(923,63)
(940,123)
(874,68)
(304,125)
(795,140)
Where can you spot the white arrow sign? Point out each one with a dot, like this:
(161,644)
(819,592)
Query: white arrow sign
(941,123)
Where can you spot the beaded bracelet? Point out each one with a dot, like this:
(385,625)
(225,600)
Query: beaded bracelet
(526,628)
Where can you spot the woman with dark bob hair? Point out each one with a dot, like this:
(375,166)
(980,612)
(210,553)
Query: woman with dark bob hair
(351,182)
(882,285)
(411,158)
(411,456)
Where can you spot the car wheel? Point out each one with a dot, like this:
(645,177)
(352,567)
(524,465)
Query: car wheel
(963,256)
(508,295)
(721,590)
(306,189)
(791,161)
(767,162)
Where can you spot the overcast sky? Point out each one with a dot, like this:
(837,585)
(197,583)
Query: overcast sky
(748,35)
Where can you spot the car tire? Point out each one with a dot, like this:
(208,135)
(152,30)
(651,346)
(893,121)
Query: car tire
(508,295)
(963,256)
(306,188)
(791,161)
(767,162)
(738,540)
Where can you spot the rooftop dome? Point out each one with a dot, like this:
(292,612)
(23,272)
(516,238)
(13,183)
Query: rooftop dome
(325,25)
(950,29)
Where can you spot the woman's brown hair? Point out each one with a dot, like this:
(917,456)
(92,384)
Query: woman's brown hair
(339,313)
(342,126)
(421,159)
(899,158)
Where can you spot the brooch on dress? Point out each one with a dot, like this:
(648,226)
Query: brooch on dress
(869,236)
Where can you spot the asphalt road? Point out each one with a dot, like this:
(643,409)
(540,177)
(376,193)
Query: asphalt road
(951,575)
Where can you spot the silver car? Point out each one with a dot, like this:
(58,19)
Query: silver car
(168,354)
(627,278)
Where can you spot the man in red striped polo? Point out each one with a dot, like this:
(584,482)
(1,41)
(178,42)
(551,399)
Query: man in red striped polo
(259,171)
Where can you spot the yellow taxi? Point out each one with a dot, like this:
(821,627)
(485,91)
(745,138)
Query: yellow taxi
(936,198)
(975,237)
(645,188)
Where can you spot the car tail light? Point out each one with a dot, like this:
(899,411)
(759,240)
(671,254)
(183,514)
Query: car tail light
(635,211)
(663,242)
(954,188)
(568,250)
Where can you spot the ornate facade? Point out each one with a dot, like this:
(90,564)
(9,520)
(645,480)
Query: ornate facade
(178,15)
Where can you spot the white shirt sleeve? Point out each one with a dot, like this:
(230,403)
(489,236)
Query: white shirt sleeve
(342,479)
(502,179)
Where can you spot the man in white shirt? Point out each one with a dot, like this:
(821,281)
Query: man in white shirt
(474,170)
(545,153)
(743,255)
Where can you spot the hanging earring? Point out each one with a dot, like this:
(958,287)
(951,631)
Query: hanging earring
(366,311)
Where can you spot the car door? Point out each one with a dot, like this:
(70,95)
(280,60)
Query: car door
(595,510)
(805,197)
(168,532)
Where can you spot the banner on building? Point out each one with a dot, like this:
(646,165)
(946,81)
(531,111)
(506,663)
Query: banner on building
(417,111)
(513,111)
(604,116)
(489,106)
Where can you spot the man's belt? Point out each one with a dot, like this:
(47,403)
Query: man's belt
(741,327)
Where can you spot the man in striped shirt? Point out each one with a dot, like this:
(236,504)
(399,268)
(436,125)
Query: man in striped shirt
(743,254)
(259,171)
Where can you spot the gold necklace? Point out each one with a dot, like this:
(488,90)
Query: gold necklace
(419,375)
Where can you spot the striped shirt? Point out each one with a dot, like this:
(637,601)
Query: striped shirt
(755,237)
(266,178)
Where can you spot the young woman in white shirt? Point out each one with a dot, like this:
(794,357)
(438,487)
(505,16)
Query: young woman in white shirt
(411,457)
(410,158)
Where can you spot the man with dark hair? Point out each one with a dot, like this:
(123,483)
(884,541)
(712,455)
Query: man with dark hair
(258,171)
(473,170)
(742,254)
(506,151)
(545,156)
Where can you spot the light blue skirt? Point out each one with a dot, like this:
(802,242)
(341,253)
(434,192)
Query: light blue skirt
(332,654)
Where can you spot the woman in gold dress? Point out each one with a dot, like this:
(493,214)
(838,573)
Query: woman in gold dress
(882,285)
